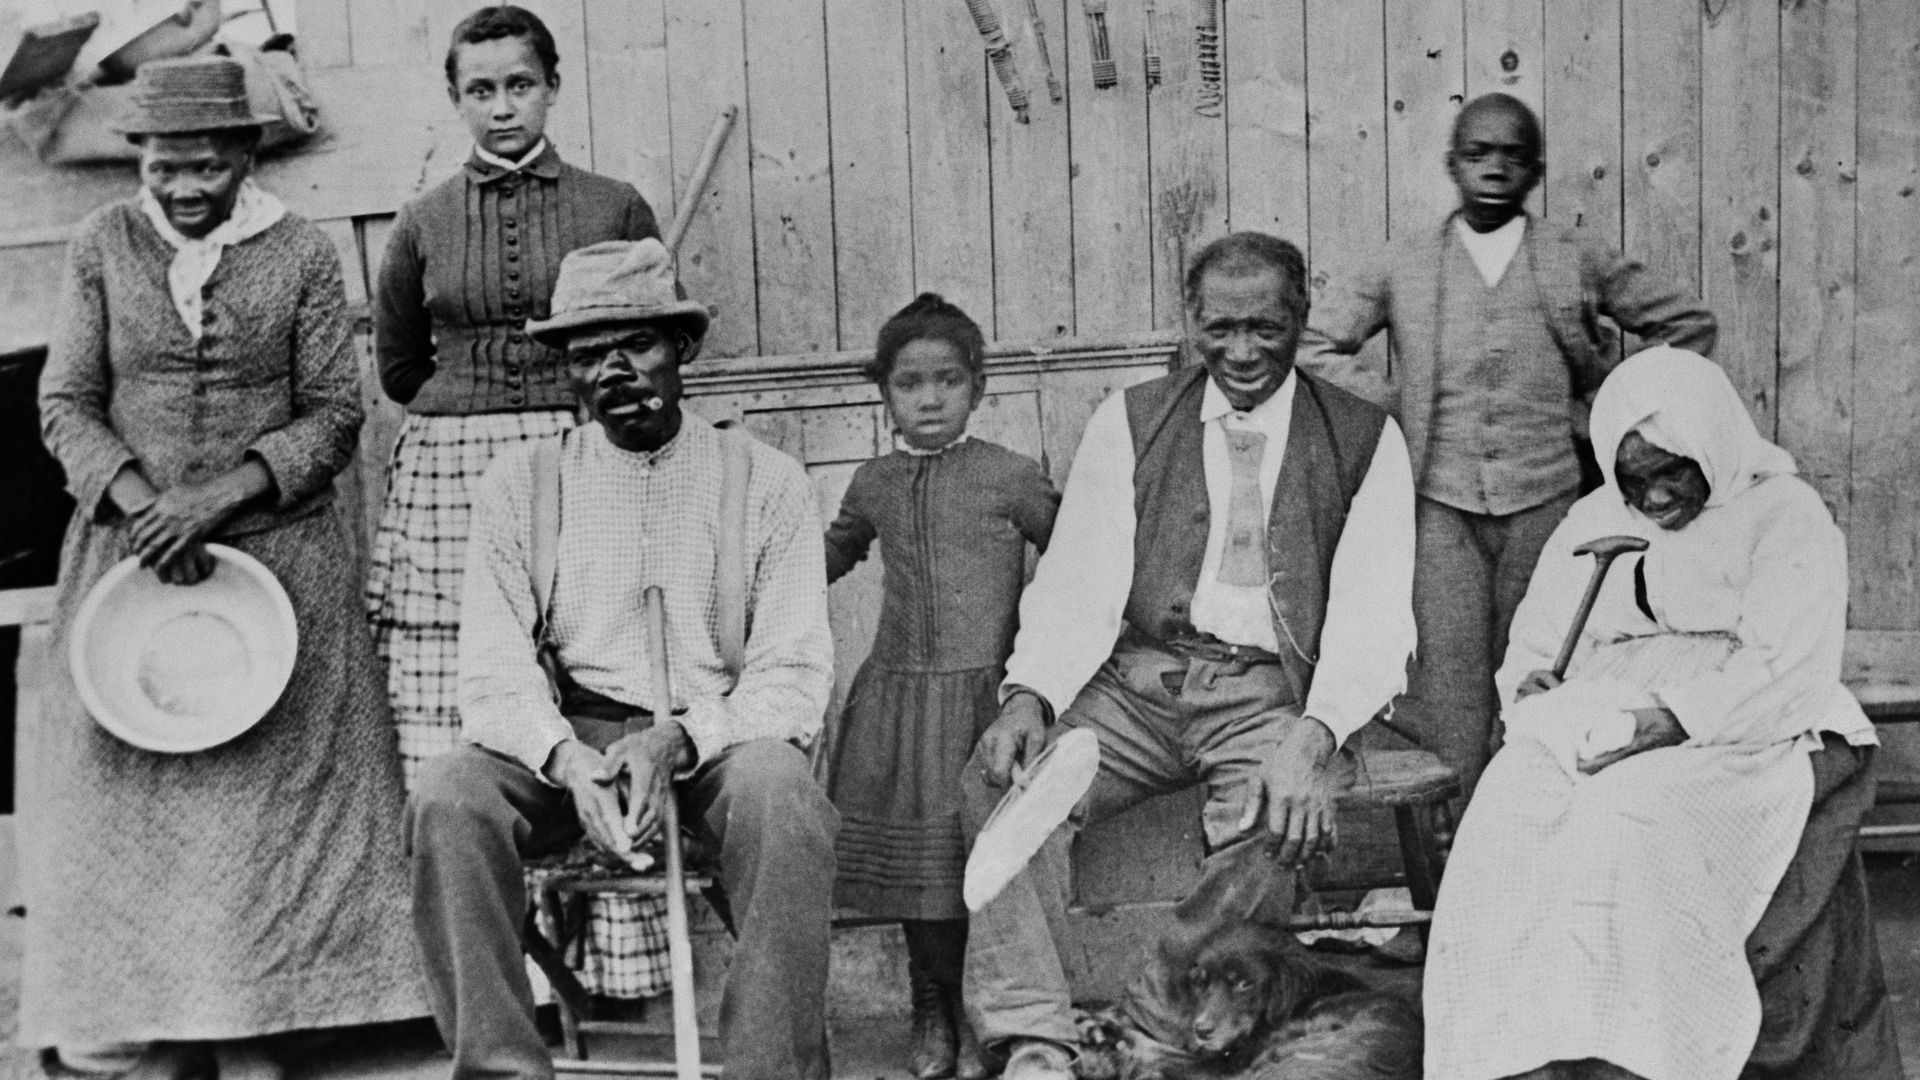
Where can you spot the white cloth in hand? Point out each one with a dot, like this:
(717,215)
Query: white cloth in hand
(1580,719)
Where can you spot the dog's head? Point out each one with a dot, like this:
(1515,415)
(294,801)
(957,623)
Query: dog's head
(1244,981)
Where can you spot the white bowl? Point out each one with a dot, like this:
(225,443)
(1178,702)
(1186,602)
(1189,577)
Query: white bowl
(177,669)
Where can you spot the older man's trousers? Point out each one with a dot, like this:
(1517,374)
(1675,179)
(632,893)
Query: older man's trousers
(475,816)
(1165,722)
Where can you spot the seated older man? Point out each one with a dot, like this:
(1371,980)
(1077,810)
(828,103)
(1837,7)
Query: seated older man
(1227,597)
(640,504)
(1603,909)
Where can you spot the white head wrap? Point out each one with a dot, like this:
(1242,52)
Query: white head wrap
(254,210)
(1684,404)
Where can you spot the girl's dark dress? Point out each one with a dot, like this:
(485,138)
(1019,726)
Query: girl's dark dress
(953,529)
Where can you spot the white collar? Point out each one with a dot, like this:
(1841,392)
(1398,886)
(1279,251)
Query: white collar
(498,162)
(941,449)
(1213,403)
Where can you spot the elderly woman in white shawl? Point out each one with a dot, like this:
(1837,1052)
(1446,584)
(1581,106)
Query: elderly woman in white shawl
(1627,840)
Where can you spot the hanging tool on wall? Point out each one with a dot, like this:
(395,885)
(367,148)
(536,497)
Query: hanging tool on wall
(1147,9)
(702,170)
(1104,72)
(1000,54)
(1206,43)
(1046,58)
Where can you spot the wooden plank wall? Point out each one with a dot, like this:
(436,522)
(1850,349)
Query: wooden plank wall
(1766,152)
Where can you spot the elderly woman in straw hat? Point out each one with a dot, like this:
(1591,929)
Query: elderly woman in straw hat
(201,387)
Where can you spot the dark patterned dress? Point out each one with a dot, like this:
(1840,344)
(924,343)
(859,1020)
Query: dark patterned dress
(953,529)
(259,886)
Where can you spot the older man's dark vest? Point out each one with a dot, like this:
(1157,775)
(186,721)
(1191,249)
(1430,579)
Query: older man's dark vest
(1329,450)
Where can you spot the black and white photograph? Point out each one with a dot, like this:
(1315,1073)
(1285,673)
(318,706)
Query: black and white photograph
(960,539)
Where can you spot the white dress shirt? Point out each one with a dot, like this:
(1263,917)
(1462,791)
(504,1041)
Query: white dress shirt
(1072,612)
(1491,252)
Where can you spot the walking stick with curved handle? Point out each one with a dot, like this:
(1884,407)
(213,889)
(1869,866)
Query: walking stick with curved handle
(1604,551)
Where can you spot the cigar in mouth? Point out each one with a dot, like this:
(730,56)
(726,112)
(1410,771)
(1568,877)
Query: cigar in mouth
(652,403)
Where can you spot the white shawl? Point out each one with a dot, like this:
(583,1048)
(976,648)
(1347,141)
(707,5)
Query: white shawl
(254,211)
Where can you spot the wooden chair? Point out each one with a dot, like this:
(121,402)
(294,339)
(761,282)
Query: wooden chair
(1419,789)
(565,884)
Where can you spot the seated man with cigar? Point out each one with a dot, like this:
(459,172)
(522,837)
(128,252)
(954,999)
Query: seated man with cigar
(1657,876)
(1226,599)
(642,495)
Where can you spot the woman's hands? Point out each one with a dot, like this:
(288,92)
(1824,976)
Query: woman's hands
(1537,682)
(168,529)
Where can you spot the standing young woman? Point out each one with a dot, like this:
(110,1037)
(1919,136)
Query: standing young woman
(469,262)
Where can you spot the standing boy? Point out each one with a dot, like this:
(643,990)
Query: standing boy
(1495,323)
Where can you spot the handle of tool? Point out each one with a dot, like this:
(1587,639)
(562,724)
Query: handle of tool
(697,186)
(1600,565)
(686,1026)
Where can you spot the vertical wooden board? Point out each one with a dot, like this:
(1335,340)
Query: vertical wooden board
(1012,420)
(374,233)
(1112,253)
(30,280)
(389,32)
(353,269)
(792,186)
(624,82)
(1506,49)
(326,35)
(1660,103)
(1506,43)
(873,235)
(375,450)
(1346,146)
(1883,543)
(853,602)
(1188,153)
(947,102)
(1582,115)
(1266,57)
(1032,188)
(706,68)
(1740,195)
(1067,402)
(1818,167)
(1426,81)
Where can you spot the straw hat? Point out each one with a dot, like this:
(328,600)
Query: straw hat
(189,93)
(616,281)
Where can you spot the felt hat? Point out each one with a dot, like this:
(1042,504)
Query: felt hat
(187,94)
(616,281)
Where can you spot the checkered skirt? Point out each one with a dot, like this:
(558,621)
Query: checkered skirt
(413,602)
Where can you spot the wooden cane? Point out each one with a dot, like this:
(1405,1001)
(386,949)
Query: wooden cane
(1604,551)
(702,171)
(686,1026)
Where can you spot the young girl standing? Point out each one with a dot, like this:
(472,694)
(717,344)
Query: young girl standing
(953,516)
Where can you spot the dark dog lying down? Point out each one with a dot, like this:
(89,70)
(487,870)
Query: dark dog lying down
(1260,1007)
